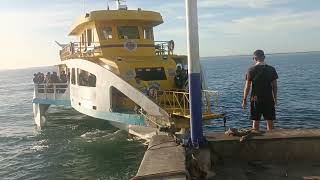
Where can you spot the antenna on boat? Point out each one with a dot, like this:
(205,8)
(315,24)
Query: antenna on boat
(120,6)
(84,6)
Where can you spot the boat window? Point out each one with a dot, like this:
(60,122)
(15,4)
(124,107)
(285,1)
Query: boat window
(73,76)
(89,36)
(148,33)
(128,32)
(86,79)
(151,74)
(107,32)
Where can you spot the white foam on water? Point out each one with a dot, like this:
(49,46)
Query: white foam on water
(38,148)
(40,145)
(100,134)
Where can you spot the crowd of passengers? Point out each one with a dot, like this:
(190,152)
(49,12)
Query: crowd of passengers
(87,79)
(40,78)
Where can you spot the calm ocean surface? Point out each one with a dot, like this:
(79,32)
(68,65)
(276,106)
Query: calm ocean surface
(75,146)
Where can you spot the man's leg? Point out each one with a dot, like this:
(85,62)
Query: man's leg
(255,115)
(269,125)
(269,114)
(255,125)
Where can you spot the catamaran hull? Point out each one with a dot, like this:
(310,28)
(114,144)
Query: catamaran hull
(39,113)
(97,101)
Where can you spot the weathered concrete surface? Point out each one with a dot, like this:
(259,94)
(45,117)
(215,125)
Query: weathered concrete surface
(279,145)
(282,154)
(164,159)
(260,170)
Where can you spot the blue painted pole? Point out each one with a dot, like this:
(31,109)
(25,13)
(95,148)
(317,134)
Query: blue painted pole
(194,73)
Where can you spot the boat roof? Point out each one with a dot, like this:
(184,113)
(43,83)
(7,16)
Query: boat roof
(149,17)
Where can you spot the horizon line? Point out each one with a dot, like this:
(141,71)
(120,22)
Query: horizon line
(279,53)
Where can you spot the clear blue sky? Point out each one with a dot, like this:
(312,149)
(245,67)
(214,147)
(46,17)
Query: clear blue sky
(227,27)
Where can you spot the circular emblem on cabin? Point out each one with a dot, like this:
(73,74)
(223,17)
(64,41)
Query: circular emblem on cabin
(130,45)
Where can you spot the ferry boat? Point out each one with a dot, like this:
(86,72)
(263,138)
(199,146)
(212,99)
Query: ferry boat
(118,72)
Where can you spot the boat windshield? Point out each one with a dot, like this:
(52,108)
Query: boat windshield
(128,32)
(151,74)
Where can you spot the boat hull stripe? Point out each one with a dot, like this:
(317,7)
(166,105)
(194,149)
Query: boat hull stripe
(66,103)
(129,119)
(195,107)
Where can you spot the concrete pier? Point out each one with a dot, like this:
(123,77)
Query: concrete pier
(279,145)
(164,159)
(281,154)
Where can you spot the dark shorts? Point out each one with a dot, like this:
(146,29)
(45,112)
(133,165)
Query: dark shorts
(266,109)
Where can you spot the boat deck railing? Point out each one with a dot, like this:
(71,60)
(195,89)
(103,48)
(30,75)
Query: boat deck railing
(177,103)
(78,50)
(164,48)
(52,91)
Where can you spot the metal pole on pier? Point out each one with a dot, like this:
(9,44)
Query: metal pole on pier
(194,73)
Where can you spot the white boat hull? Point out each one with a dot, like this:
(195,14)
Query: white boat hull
(97,101)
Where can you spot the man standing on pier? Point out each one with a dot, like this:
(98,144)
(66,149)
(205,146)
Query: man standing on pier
(263,79)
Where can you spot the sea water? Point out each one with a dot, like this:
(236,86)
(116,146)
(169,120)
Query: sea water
(75,146)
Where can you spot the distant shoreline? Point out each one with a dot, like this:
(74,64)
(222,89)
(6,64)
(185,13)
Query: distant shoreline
(281,53)
(206,57)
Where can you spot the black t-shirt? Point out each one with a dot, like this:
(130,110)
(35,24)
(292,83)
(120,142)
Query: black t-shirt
(261,77)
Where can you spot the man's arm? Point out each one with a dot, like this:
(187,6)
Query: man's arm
(246,90)
(274,85)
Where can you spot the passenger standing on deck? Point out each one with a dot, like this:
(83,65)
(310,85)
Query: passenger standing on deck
(54,77)
(48,78)
(92,80)
(36,78)
(178,78)
(263,79)
(63,77)
(41,78)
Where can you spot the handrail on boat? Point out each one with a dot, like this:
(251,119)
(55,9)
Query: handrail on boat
(79,49)
(51,88)
(52,91)
(164,47)
(177,102)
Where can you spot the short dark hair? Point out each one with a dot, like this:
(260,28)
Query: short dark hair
(259,54)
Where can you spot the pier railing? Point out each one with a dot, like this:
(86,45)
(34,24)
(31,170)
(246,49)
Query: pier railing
(52,91)
(177,103)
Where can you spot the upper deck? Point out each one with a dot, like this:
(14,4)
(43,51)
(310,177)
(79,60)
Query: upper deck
(120,16)
(116,33)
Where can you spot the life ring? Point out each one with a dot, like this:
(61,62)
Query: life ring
(153,92)
(171,45)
